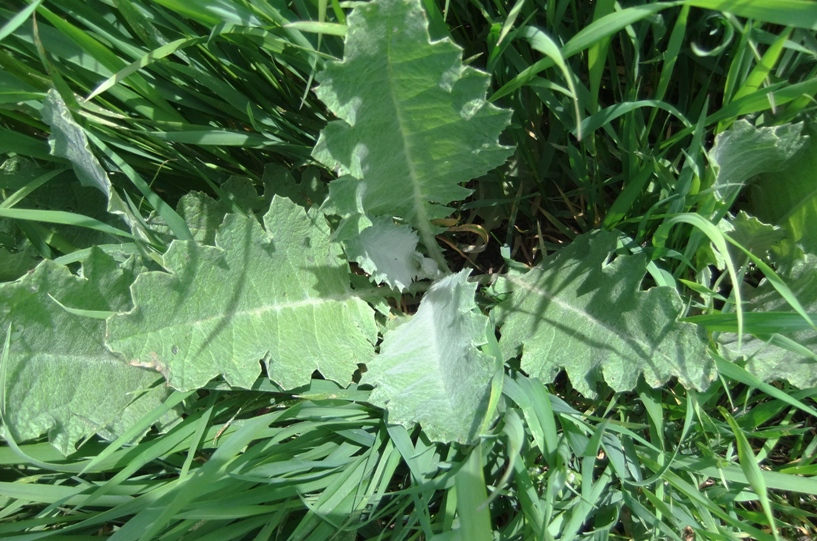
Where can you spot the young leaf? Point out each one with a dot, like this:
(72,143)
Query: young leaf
(429,369)
(280,295)
(388,252)
(789,356)
(60,378)
(414,122)
(580,311)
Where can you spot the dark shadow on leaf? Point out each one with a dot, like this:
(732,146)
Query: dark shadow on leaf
(238,283)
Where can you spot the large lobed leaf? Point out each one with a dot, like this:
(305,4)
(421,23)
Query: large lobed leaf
(280,295)
(793,356)
(744,151)
(788,198)
(580,311)
(58,376)
(414,123)
(778,165)
(430,370)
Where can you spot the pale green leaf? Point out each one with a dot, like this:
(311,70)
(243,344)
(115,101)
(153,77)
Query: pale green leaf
(280,295)
(582,309)
(792,356)
(430,370)
(60,379)
(15,264)
(242,193)
(388,252)
(752,234)
(744,152)
(414,123)
(68,141)
(203,215)
(788,197)
(309,190)
(346,199)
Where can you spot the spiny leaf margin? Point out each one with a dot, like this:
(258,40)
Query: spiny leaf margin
(279,295)
(413,121)
(582,309)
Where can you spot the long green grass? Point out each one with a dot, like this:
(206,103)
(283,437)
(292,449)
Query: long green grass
(616,107)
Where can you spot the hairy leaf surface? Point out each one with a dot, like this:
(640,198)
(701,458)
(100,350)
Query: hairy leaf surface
(788,198)
(793,356)
(752,234)
(414,123)
(14,264)
(68,141)
(203,215)
(59,377)
(743,152)
(430,370)
(281,295)
(388,252)
(580,311)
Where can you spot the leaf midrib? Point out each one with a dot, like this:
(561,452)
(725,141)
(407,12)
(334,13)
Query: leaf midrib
(420,221)
(275,307)
(593,320)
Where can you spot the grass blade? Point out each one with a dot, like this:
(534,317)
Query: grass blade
(15,22)
(475,517)
(748,464)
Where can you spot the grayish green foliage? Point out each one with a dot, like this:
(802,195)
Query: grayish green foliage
(752,234)
(15,264)
(59,377)
(793,356)
(241,193)
(346,199)
(203,215)
(68,141)
(280,294)
(309,190)
(744,152)
(413,126)
(788,198)
(414,123)
(582,309)
(388,252)
(430,370)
